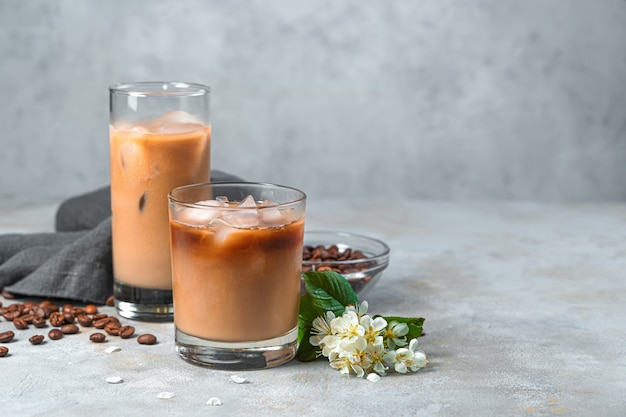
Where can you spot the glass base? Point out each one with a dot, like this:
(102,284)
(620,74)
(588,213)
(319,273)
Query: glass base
(143,303)
(237,355)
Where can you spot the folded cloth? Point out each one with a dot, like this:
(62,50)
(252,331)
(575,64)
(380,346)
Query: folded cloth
(75,262)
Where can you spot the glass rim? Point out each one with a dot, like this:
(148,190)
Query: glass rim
(178,201)
(160,89)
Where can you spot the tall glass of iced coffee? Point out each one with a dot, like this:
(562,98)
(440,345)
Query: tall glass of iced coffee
(160,139)
(236,265)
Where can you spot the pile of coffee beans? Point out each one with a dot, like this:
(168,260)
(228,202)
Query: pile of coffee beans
(331,258)
(65,320)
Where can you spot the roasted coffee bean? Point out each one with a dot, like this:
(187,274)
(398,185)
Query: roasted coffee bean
(126,332)
(99,316)
(36,339)
(38,312)
(8,295)
(51,309)
(69,329)
(84,320)
(97,337)
(39,322)
(67,307)
(56,319)
(10,315)
(90,309)
(20,323)
(55,334)
(3,351)
(101,323)
(146,339)
(6,337)
(28,317)
(68,317)
(113,328)
(28,305)
(110,301)
(330,259)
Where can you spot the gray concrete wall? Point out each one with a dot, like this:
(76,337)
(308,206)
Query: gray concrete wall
(476,99)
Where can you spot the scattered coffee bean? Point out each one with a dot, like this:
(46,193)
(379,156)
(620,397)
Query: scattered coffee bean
(110,301)
(36,339)
(101,323)
(56,319)
(6,337)
(84,320)
(55,334)
(113,328)
(10,315)
(4,351)
(63,318)
(39,312)
(8,295)
(20,323)
(68,317)
(28,318)
(147,339)
(50,308)
(69,329)
(39,322)
(126,332)
(91,309)
(98,337)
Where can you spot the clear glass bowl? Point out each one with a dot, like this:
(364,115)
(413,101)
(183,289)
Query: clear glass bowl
(363,272)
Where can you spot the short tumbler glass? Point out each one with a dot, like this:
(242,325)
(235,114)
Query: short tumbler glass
(236,264)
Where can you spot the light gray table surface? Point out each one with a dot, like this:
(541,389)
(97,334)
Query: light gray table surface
(525,316)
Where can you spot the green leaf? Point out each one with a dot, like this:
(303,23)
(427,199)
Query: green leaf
(306,351)
(328,291)
(305,317)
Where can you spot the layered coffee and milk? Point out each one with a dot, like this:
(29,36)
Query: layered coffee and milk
(236,268)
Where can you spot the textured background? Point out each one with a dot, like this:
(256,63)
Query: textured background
(480,99)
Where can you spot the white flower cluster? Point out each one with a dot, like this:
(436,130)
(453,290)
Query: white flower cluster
(356,343)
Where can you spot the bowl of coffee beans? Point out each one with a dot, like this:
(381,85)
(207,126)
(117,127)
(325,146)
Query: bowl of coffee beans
(360,259)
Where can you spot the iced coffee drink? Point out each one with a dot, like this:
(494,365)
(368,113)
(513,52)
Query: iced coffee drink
(150,156)
(236,266)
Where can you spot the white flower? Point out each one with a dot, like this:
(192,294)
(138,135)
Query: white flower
(396,334)
(404,359)
(373,329)
(347,326)
(355,343)
(360,308)
(375,353)
(320,328)
(351,356)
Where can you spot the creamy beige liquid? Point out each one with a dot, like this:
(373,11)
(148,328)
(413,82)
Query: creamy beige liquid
(242,285)
(145,166)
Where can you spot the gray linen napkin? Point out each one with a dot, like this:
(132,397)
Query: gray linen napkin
(75,263)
